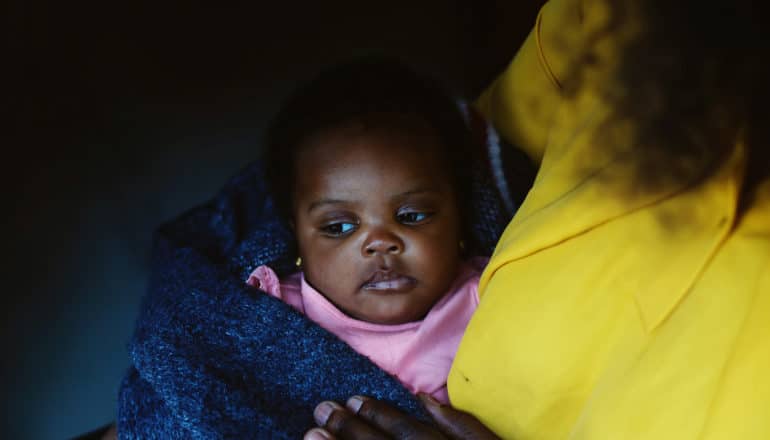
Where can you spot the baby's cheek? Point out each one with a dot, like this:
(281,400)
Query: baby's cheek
(338,272)
(442,260)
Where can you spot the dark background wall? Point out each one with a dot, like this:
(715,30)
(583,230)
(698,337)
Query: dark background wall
(122,115)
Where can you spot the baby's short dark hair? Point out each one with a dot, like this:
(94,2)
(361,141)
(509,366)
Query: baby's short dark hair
(365,88)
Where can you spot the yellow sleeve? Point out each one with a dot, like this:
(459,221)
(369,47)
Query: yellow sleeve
(521,102)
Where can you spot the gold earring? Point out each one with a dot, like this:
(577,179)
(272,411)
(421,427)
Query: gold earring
(462,245)
(298,263)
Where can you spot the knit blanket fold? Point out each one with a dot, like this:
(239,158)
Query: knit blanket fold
(214,358)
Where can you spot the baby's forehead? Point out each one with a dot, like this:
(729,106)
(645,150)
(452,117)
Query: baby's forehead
(371,131)
(356,154)
(357,146)
(380,122)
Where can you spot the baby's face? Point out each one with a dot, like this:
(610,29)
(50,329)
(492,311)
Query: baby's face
(377,222)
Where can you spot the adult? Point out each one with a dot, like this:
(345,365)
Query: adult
(630,295)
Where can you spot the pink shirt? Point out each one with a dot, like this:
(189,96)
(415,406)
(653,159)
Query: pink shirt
(418,353)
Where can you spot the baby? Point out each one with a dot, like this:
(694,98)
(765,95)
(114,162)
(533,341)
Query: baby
(368,164)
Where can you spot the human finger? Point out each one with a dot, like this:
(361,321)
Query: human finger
(391,420)
(343,424)
(317,434)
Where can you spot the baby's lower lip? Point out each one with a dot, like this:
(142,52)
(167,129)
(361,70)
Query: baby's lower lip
(398,284)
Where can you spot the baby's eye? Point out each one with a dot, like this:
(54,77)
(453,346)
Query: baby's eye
(338,229)
(412,218)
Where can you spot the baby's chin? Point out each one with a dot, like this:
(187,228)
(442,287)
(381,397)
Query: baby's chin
(394,314)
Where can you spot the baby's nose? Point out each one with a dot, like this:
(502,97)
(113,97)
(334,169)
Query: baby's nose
(382,242)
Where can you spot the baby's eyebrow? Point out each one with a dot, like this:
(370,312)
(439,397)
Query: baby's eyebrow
(322,202)
(327,201)
(412,192)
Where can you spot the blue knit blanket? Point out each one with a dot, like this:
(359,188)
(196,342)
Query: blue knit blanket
(213,358)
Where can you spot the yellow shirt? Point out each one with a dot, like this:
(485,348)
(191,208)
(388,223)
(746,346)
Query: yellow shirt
(605,317)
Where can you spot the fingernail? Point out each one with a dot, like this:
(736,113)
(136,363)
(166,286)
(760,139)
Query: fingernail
(317,434)
(354,403)
(322,412)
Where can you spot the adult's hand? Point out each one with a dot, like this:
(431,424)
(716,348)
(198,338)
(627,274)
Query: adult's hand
(366,418)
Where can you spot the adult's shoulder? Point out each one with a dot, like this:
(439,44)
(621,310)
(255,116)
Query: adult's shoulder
(521,101)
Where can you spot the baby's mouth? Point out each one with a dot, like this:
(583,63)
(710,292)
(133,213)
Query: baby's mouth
(388,281)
